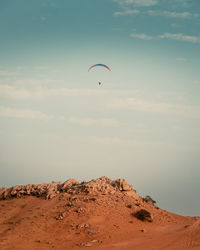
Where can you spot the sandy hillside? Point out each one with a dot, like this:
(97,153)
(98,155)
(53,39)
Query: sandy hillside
(99,214)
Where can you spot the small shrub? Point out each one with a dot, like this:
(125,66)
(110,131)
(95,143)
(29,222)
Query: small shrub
(24,205)
(129,206)
(92,199)
(143,215)
(10,222)
(149,200)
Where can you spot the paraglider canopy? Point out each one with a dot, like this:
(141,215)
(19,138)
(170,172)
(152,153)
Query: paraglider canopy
(99,64)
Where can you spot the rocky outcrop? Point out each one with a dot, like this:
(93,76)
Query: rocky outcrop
(101,185)
(123,186)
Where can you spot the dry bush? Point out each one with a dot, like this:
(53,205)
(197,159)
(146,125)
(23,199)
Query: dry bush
(143,215)
(149,200)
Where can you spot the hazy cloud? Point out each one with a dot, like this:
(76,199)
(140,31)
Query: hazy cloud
(23,113)
(18,93)
(74,92)
(21,93)
(119,99)
(139,3)
(170,36)
(89,121)
(8,73)
(169,14)
(192,111)
(142,36)
(165,14)
(180,37)
(126,143)
(181,59)
(104,140)
(126,12)
(175,25)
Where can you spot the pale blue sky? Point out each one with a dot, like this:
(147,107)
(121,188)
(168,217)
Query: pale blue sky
(141,124)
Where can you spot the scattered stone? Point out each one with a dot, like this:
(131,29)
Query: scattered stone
(86,244)
(94,241)
(82,226)
(69,204)
(80,210)
(93,230)
(60,216)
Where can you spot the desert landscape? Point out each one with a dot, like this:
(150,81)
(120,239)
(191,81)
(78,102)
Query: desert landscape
(99,116)
(99,214)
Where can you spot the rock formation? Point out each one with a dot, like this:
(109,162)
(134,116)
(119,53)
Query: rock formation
(101,185)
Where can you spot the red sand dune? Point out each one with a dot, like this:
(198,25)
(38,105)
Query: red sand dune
(98,214)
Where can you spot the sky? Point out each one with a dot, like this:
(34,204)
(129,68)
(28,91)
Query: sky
(142,123)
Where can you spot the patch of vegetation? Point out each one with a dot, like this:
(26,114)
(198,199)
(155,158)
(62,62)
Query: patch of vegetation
(92,199)
(10,222)
(129,206)
(149,200)
(143,215)
(24,205)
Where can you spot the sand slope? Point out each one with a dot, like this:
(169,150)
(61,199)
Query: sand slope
(94,215)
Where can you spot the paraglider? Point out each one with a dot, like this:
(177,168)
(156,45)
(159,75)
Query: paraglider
(99,64)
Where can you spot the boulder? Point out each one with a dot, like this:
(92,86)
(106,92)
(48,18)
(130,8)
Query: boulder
(123,186)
